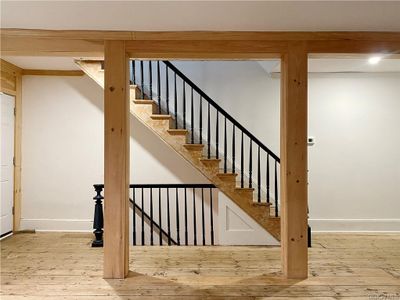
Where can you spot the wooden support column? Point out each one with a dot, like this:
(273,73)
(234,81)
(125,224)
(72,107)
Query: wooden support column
(294,162)
(116,160)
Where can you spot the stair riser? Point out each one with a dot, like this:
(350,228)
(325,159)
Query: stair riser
(211,166)
(194,156)
(181,139)
(160,126)
(230,184)
(135,93)
(147,109)
(245,195)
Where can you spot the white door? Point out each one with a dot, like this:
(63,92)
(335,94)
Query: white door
(6,162)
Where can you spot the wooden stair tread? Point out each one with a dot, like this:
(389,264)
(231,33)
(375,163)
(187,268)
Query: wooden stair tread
(161,117)
(261,203)
(143,101)
(210,159)
(178,131)
(194,146)
(244,189)
(227,175)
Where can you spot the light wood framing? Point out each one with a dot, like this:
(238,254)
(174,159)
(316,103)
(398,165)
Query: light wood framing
(116,160)
(292,47)
(193,45)
(293,155)
(11,83)
(52,72)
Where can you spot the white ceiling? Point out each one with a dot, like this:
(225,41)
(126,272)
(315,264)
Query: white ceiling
(203,15)
(323,65)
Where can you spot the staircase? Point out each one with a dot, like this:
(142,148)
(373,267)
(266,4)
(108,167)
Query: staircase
(197,128)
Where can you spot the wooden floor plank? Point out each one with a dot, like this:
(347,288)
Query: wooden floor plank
(64,266)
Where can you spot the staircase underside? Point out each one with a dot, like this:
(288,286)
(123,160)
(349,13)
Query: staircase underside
(162,125)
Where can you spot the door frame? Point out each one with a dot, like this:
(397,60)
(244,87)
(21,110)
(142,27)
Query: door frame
(11,84)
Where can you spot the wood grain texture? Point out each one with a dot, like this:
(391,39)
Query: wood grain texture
(64,266)
(193,44)
(203,35)
(116,160)
(293,172)
(52,72)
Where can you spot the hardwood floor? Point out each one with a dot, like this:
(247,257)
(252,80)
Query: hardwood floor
(64,266)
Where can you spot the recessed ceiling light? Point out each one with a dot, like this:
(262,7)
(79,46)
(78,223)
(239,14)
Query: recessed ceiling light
(374,60)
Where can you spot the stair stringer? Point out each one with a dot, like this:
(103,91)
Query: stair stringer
(144,110)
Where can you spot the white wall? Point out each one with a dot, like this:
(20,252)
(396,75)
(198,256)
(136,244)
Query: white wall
(354,165)
(354,170)
(62,154)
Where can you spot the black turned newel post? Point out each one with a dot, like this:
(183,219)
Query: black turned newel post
(98,217)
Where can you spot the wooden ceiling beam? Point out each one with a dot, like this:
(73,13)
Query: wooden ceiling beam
(193,44)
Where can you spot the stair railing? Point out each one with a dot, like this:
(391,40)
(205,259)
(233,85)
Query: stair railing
(169,214)
(208,123)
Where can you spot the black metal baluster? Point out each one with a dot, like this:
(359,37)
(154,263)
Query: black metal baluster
(201,121)
(258,175)
(268,186)
(176,102)
(134,71)
(217,137)
(192,117)
(225,148)
(150,80)
(203,227)
(142,206)
(211,217)
(151,217)
(233,148)
(208,132)
(160,215)
(194,218)
(251,164)
(186,220)
(242,164)
(276,189)
(168,219)
(159,87)
(184,104)
(134,217)
(142,79)
(167,88)
(177,217)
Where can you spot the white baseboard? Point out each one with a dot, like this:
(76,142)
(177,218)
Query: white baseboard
(70,225)
(355,225)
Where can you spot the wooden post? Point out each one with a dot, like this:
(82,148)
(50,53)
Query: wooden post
(116,160)
(17,153)
(294,162)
